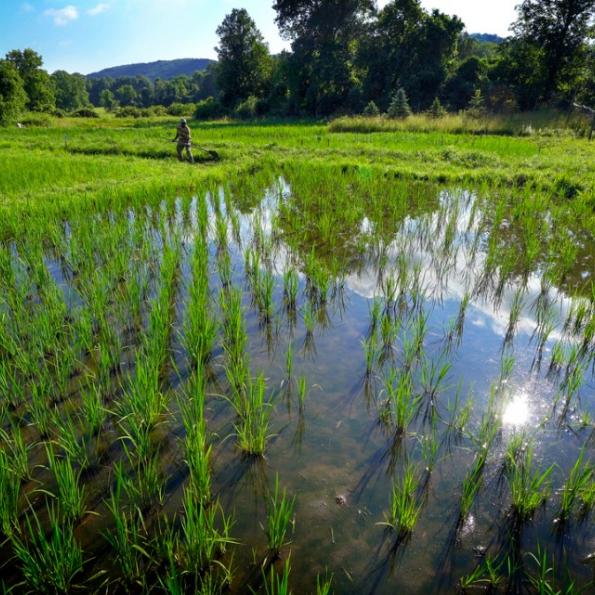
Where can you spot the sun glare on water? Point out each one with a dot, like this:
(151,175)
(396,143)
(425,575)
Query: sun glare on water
(516,413)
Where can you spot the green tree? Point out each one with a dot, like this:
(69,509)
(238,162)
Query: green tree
(71,90)
(36,81)
(436,109)
(470,74)
(477,104)
(13,98)
(557,30)
(244,65)
(409,47)
(126,95)
(325,35)
(107,100)
(371,109)
(399,106)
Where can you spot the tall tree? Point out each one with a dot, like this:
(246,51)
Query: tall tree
(325,37)
(71,90)
(244,65)
(12,93)
(409,48)
(559,28)
(36,81)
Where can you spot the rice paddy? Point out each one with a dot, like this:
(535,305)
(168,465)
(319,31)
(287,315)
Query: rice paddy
(292,372)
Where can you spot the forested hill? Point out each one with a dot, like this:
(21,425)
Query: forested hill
(162,69)
(489,37)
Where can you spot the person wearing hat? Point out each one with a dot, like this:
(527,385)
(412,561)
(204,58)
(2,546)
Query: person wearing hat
(184,141)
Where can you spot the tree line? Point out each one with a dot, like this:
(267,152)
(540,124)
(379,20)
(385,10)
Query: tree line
(346,56)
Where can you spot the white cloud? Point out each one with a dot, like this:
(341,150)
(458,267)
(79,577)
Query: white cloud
(63,16)
(101,7)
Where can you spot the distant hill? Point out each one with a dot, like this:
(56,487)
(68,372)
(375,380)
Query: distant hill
(163,69)
(490,37)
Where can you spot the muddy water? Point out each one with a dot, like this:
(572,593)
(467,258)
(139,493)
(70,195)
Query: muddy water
(334,453)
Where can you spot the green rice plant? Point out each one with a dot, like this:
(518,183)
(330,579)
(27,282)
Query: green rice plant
(324,585)
(16,451)
(10,490)
(197,448)
(290,289)
(275,584)
(371,353)
(200,329)
(93,413)
(486,576)
(580,481)
(70,494)
(404,505)
(529,487)
(280,511)
(432,377)
(205,535)
(546,581)
(302,390)
(265,296)
(389,330)
(459,416)
(515,313)
(127,538)
(49,561)
(401,399)
(471,484)
(254,413)
(69,440)
(375,314)
(308,318)
(430,448)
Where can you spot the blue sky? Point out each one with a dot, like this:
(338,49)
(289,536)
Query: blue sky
(87,35)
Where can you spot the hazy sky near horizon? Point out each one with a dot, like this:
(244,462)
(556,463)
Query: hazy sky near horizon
(88,35)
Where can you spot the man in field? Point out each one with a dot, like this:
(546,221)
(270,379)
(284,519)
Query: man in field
(184,140)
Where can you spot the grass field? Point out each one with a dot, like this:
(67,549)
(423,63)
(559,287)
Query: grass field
(337,358)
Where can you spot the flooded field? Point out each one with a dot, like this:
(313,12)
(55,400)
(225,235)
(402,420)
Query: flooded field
(319,380)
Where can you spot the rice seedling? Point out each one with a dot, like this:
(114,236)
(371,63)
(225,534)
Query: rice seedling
(254,413)
(10,490)
(280,511)
(69,494)
(529,487)
(302,391)
(205,535)
(404,506)
(578,484)
(432,377)
(93,413)
(546,581)
(324,585)
(277,584)
(196,445)
(401,399)
(49,562)
(290,289)
(371,353)
(127,538)
(487,576)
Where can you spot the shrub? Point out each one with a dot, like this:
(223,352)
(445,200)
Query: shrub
(181,109)
(158,110)
(399,106)
(247,109)
(85,112)
(58,113)
(128,112)
(36,120)
(209,109)
(371,109)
